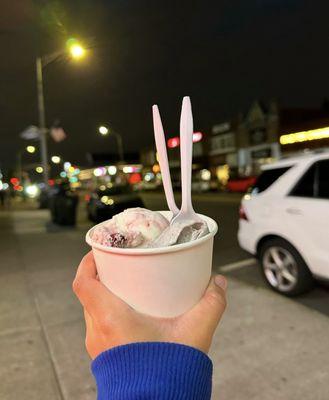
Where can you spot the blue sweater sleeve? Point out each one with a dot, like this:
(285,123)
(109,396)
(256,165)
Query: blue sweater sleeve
(153,371)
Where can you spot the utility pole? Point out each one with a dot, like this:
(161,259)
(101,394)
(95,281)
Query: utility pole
(42,121)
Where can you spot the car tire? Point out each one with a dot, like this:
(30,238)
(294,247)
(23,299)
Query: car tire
(292,266)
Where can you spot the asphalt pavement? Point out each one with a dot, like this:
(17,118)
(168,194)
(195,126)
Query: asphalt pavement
(268,347)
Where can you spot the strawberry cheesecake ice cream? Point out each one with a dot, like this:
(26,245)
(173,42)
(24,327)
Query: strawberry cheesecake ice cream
(134,227)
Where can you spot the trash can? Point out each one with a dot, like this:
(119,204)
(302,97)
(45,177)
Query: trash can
(63,206)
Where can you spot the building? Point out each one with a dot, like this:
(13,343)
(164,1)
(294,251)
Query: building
(223,160)
(257,138)
(263,134)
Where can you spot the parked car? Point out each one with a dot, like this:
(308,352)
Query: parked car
(240,185)
(103,203)
(285,222)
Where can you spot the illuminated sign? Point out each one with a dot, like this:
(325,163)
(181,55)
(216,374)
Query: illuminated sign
(175,141)
(297,137)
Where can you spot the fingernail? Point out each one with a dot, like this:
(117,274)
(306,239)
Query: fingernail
(221,281)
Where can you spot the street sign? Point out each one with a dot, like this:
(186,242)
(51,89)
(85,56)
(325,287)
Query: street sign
(32,132)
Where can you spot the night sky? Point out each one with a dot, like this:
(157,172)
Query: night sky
(224,54)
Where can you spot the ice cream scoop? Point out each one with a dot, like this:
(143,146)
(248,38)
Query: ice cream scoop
(134,227)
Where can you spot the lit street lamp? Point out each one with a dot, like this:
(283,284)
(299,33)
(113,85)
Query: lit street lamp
(56,159)
(76,51)
(103,130)
(30,149)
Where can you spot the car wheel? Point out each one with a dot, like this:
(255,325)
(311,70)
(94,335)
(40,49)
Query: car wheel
(284,269)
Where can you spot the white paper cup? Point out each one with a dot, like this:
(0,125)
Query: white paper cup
(163,282)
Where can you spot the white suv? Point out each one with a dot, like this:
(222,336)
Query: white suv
(285,222)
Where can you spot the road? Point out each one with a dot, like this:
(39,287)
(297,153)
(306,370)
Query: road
(227,253)
(268,347)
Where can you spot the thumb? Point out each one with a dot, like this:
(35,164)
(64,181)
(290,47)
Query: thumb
(208,312)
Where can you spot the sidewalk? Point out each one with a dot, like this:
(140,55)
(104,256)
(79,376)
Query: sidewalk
(268,347)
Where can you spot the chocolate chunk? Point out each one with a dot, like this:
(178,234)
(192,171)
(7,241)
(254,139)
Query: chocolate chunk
(117,240)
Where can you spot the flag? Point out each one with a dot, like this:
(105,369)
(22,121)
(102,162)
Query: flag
(57,133)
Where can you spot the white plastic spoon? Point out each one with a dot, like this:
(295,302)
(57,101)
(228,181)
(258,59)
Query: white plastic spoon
(186,225)
(186,213)
(160,142)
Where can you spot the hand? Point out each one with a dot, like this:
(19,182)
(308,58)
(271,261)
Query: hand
(111,322)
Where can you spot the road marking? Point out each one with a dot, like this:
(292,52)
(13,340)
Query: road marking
(237,265)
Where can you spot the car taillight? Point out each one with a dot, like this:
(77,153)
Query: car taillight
(242,213)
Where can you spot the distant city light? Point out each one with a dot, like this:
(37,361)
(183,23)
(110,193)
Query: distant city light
(51,182)
(102,187)
(175,141)
(148,176)
(56,159)
(5,186)
(297,137)
(30,149)
(197,137)
(71,169)
(135,178)
(103,130)
(63,174)
(156,168)
(205,174)
(107,200)
(67,165)
(112,169)
(128,169)
(100,171)
(14,181)
(1,185)
(32,190)
(39,170)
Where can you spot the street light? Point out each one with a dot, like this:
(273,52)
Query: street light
(56,159)
(77,51)
(30,149)
(103,130)
(39,170)
(75,48)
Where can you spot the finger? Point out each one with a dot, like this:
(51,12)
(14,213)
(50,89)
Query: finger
(88,319)
(93,295)
(209,310)
(87,267)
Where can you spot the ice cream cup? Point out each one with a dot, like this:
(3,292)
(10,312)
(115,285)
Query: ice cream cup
(163,282)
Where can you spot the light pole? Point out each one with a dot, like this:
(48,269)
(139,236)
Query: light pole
(42,121)
(103,130)
(76,51)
